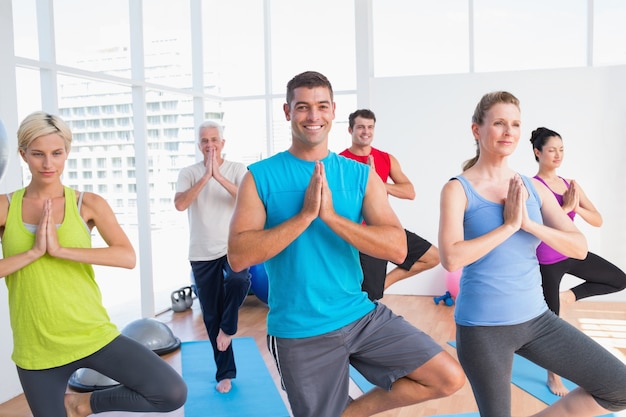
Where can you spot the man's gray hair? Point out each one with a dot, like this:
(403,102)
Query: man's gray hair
(211,123)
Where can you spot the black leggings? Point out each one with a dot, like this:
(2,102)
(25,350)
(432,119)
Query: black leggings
(149,384)
(600,276)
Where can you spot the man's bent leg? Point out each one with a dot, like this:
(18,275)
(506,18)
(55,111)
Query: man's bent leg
(209,277)
(440,377)
(421,256)
(406,364)
(374,272)
(236,287)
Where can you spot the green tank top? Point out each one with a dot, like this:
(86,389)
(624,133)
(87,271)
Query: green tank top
(55,305)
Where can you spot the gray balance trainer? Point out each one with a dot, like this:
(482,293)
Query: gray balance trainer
(152,333)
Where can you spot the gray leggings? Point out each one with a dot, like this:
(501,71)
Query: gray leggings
(149,384)
(486,354)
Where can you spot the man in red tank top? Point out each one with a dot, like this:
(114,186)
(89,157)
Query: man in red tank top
(421,255)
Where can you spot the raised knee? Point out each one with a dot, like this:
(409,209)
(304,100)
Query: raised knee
(449,378)
(242,279)
(454,380)
(431,257)
(173,398)
(616,401)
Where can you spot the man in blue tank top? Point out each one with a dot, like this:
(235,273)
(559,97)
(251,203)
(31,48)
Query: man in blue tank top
(300,212)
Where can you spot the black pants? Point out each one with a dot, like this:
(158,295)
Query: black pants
(221,292)
(600,276)
(375,270)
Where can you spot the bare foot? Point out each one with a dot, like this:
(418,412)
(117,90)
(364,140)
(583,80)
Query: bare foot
(556,385)
(566,298)
(223,386)
(223,340)
(77,405)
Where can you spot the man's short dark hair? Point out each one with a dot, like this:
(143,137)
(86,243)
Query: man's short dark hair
(364,113)
(308,79)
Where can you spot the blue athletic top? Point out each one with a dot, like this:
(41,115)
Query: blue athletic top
(315,282)
(504,286)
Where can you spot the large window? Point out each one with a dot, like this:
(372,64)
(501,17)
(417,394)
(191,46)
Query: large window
(421,37)
(319,38)
(532,34)
(171,146)
(25,29)
(609,34)
(416,37)
(233,47)
(28,84)
(94,37)
(245,130)
(167,42)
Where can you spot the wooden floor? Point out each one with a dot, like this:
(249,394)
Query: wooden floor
(605,321)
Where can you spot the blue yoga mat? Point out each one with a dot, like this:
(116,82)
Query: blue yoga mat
(253,393)
(360,381)
(532,379)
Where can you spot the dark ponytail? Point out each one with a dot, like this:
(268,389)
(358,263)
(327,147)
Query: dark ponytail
(539,137)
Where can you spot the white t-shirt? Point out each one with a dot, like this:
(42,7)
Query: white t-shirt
(209,215)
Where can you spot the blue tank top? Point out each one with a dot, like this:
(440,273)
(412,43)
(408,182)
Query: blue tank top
(315,282)
(504,286)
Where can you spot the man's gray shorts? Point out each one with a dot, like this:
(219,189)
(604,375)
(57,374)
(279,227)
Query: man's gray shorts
(382,346)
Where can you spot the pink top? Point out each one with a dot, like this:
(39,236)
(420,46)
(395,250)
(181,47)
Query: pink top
(545,254)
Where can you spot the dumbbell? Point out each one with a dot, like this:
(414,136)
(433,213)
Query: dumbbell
(446,298)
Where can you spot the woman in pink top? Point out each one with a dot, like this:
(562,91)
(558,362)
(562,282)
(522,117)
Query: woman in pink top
(599,275)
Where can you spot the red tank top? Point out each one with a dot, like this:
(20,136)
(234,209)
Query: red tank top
(382,162)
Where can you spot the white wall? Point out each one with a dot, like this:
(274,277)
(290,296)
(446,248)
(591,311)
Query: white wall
(425,122)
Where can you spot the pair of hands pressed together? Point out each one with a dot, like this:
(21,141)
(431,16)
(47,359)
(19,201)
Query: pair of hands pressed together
(515,213)
(318,199)
(46,239)
(212,165)
(571,197)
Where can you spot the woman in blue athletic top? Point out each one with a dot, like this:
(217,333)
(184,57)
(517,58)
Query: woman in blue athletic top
(492,220)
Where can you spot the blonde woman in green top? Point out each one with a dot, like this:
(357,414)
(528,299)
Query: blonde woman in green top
(59,323)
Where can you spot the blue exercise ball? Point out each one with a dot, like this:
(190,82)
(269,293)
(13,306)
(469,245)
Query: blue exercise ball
(259,282)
